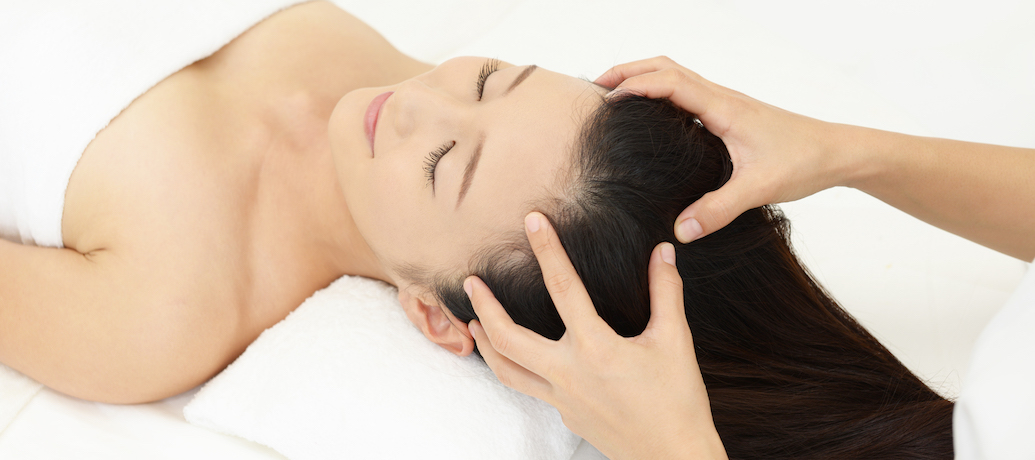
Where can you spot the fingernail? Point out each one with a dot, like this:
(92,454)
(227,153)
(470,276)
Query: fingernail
(474,327)
(688,230)
(468,287)
(612,93)
(668,253)
(532,222)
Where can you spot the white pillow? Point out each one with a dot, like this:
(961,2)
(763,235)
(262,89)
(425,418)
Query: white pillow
(346,375)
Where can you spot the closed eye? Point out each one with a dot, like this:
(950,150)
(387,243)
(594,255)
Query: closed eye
(431,162)
(488,68)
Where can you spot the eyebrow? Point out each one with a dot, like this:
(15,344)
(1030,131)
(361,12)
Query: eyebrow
(469,171)
(521,77)
(472,164)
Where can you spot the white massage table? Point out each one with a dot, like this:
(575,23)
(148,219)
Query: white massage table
(948,68)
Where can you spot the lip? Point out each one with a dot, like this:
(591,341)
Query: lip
(371,116)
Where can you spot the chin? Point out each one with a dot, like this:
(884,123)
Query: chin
(344,125)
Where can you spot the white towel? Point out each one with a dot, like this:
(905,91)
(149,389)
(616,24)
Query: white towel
(68,67)
(346,375)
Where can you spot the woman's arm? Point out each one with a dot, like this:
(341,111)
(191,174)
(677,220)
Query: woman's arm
(982,192)
(102,326)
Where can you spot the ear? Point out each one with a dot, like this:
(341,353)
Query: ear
(437,323)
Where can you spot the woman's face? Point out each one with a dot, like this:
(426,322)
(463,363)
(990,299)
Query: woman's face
(449,172)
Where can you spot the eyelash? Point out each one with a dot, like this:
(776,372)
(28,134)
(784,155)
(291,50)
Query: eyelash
(431,162)
(488,68)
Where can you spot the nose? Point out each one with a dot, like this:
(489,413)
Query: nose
(421,105)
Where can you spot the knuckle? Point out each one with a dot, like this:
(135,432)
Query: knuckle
(685,78)
(544,242)
(673,282)
(541,246)
(636,83)
(681,78)
(559,283)
(719,208)
(501,342)
(673,77)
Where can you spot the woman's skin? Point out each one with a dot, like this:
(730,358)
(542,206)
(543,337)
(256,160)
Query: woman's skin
(226,195)
(643,397)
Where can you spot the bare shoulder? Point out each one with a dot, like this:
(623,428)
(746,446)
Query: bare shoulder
(316,33)
(155,227)
(151,302)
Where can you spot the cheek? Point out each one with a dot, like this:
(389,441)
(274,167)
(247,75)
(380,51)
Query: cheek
(394,218)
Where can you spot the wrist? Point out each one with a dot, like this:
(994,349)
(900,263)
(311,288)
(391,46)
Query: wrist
(859,155)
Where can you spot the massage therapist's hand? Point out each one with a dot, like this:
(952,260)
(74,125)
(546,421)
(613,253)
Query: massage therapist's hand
(639,397)
(777,155)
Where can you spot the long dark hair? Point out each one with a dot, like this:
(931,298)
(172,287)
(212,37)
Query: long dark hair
(789,373)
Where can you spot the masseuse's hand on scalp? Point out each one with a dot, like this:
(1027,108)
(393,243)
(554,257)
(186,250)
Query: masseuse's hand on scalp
(639,397)
(777,155)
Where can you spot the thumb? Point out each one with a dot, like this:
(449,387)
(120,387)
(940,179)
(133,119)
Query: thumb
(666,290)
(610,79)
(712,211)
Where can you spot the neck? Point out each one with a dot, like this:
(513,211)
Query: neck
(303,193)
(300,188)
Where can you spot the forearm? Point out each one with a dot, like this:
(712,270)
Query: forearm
(985,193)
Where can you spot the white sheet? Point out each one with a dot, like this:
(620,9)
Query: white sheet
(945,68)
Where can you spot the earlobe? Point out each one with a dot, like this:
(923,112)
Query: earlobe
(438,324)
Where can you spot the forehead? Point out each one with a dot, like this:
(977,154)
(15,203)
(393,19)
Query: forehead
(530,137)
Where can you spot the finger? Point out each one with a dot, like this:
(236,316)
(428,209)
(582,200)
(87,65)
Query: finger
(684,88)
(519,344)
(508,372)
(667,312)
(714,211)
(562,281)
(617,74)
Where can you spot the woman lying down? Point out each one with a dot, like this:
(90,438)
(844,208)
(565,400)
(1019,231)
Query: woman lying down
(308,148)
